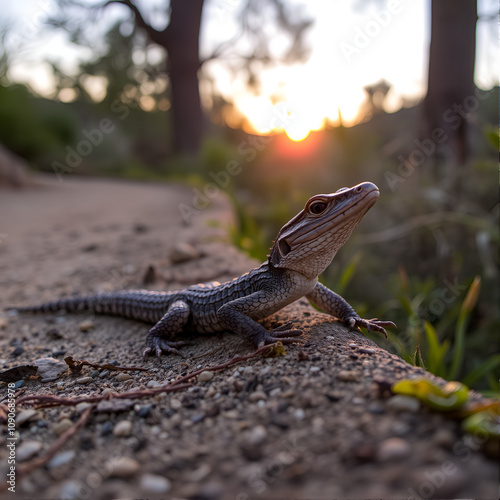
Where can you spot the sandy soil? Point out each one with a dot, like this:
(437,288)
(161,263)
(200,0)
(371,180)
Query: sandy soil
(310,424)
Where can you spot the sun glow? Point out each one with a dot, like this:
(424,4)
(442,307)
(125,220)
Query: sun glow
(301,105)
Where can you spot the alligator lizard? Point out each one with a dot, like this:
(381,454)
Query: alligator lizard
(303,249)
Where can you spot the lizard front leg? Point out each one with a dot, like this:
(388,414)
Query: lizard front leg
(171,323)
(236,316)
(331,303)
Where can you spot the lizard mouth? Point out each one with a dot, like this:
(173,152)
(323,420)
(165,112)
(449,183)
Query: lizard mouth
(347,209)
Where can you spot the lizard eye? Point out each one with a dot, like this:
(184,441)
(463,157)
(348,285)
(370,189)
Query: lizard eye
(317,208)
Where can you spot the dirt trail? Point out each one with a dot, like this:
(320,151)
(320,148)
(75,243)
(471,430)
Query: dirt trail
(299,426)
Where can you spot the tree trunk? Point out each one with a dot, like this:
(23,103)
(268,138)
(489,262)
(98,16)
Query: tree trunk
(182,44)
(451,72)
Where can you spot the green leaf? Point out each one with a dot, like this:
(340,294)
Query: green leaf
(465,310)
(485,422)
(450,397)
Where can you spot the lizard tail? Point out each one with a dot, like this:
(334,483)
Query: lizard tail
(140,305)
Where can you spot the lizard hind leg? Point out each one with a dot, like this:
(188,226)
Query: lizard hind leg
(171,323)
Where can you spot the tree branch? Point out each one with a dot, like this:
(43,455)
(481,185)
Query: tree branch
(154,34)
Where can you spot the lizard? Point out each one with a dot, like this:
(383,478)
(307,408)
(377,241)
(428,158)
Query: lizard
(304,248)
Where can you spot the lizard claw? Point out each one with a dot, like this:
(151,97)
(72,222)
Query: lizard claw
(285,337)
(157,345)
(374,324)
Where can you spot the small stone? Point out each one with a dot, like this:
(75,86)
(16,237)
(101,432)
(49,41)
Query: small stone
(28,449)
(155,483)
(62,426)
(104,373)
(17,351)
(121,377)
(81,407)
(107,428)
(299,414)
(348,375)
(86,325)
(3,323)
(123,428)
(183,252)
(84,380)
(403,403)
(49,368)
(53,334)
(330,337)
(367,350)
(61,458)
(123,467)
(444,438)
(95,374)
(205,376)
(393,449)
(257,396)
(302,356)
(144,411)
(314,369)
(70,489)
(153,383)
(26,416)
(258,435)
(357,401)
(274,392)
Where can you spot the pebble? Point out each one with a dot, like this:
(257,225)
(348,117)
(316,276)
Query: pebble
(152,384)
(299,414)
(107,428)
(143,411)
(444,438)
(205,376)
(26,416)
(70,489)
(123,428)
(86,325)
(3,323)
(274,392)
(61,458)
(393,449)
(81,407)
(155,483)
(27,450)
(257,396)
(330,337)
(121,377)
(17,351)
(348,376)
(314,369)
(123,466)
(62,426)
(84,380)
(103,373)
(258,435)
(183,252)
(403,403)
(49,368)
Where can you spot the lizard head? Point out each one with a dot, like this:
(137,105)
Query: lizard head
(308,243)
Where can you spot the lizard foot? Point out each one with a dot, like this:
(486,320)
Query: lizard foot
(374,324)
(283,336)
(158,346)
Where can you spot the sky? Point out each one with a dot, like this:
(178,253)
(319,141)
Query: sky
(353,44)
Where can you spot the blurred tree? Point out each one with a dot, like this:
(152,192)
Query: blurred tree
(451,72)
(180,40)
